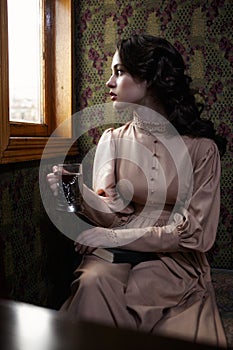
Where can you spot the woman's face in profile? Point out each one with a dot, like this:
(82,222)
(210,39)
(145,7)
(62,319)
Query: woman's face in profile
(123,87)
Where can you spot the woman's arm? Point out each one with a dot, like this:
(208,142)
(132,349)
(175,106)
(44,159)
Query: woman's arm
(193,228)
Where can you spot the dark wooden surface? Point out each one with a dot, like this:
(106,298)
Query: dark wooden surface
(28,327)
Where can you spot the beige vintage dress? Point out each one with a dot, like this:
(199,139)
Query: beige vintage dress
(167,186)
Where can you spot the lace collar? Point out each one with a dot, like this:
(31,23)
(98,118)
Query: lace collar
(151,123)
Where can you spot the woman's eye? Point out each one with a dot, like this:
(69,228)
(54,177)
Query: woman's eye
(119,72)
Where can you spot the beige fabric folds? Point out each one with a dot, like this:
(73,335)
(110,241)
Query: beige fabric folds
(144,187)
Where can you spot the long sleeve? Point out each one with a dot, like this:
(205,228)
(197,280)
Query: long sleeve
(103,205)
(197,229)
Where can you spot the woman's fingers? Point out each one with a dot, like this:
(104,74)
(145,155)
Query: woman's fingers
(83,249)
(52,179)
(55,169)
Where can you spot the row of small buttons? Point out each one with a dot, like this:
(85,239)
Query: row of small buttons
(154,168)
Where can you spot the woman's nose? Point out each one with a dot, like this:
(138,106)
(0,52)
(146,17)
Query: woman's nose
(111,82)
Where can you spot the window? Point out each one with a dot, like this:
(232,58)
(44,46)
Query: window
(24,133)
(26,60)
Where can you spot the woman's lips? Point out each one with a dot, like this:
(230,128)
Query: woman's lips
(113,96)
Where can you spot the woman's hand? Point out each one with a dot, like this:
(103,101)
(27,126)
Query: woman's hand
(53,179)
(83,249)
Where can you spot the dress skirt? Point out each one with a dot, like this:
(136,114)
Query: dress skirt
(158,297)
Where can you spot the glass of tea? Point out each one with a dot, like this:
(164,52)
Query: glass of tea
(70,180)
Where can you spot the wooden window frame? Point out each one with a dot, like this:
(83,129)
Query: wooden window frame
(26,141)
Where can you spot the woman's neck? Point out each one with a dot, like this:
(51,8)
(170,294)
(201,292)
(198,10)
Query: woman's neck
(153,104)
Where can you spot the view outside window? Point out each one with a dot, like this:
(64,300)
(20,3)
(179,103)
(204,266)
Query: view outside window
(25,60)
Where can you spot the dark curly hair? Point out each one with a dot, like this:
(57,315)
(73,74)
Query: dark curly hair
(158,62)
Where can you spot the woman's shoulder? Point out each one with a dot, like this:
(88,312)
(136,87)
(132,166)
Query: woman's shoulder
(117,132)
(200,147)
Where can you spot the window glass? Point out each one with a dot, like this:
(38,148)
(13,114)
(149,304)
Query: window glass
(25,27)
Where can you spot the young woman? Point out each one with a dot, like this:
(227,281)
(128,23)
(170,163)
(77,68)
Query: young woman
(155,204)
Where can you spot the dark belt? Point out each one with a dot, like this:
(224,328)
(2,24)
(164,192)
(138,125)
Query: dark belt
(131,256)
